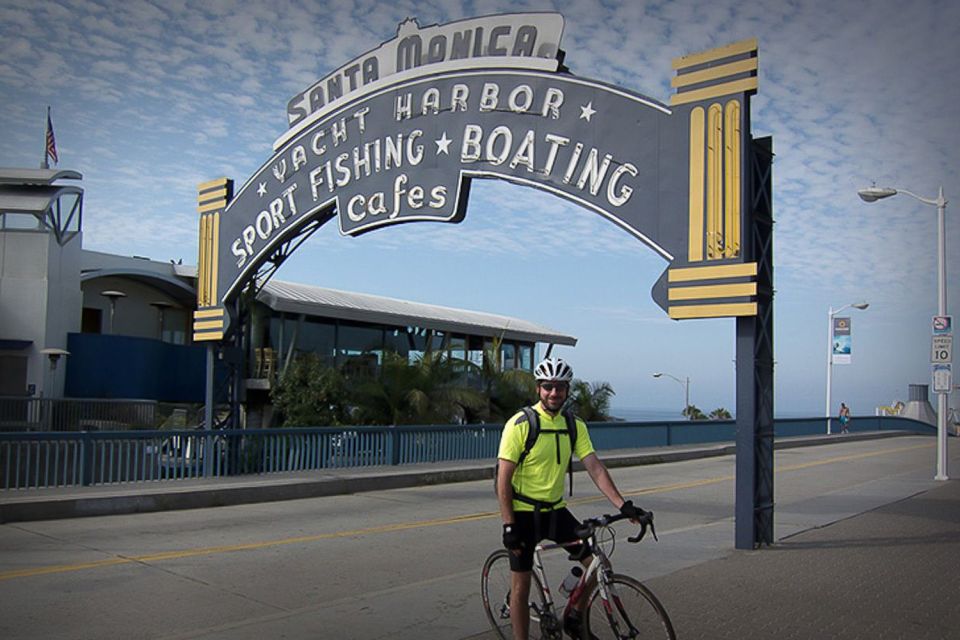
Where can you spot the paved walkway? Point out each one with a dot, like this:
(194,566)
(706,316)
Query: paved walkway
(889,573)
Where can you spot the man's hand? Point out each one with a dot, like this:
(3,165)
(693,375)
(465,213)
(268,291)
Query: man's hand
(511,539)
(632,512)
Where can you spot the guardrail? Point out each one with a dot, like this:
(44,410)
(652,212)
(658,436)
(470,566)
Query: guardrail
(49,459)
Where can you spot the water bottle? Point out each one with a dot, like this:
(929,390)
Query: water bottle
(570,582)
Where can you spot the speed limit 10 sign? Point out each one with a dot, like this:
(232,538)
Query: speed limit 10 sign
(942,349)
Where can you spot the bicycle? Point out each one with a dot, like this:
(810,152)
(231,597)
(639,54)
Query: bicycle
(617,605)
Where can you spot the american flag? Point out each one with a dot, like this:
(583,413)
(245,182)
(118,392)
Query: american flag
(51,141)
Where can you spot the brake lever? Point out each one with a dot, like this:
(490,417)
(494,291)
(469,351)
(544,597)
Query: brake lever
(646,521)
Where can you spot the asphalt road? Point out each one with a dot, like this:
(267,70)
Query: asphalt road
(398,564)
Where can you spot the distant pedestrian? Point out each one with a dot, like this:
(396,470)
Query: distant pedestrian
(844,418)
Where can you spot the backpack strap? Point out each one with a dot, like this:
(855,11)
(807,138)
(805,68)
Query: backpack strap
(572,430)
(532,418)
(571,419)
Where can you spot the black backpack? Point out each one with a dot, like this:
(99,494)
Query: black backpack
(531,416)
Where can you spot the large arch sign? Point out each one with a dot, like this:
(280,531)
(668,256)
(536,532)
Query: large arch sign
(398,134)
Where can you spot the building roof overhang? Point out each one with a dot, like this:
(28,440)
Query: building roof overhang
(10,175)
(183,293)
(35,200)
(289,297)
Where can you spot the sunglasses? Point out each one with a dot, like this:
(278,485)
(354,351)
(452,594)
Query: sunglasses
(550,386)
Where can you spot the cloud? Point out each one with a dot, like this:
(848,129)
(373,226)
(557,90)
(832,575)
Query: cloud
(151,98)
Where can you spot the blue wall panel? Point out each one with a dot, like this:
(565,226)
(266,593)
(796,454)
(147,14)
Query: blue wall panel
(106,366)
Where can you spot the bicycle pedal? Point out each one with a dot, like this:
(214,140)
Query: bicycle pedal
(571,626)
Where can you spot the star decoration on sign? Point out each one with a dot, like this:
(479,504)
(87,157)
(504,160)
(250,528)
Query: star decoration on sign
(262,189)
(443,144)
(587,111)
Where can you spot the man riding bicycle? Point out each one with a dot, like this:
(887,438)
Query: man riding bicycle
(530,487)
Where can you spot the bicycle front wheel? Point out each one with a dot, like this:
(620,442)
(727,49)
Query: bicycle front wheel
(630,611)
(496,585)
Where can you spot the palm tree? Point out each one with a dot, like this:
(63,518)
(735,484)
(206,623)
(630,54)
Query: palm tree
(428,391)
(443,394)
(591,399)
(693,413)
(720,414)
(504,390)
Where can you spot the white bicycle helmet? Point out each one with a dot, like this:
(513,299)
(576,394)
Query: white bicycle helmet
(553,370)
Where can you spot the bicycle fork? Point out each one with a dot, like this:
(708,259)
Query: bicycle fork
(612,606)
(609,599)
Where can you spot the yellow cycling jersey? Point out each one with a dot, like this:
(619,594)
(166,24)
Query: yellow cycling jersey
(540,476)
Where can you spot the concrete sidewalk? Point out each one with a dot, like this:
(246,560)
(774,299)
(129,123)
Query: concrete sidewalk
(71,502)
(892,572)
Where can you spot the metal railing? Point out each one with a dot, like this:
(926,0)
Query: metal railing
(69,414)
(51,459)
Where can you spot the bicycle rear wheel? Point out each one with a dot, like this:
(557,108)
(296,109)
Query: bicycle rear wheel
(632,611)
(495,589)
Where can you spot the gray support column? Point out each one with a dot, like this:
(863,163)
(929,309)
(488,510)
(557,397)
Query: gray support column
(746,465)
(208,403)
(754,465)
(754,484)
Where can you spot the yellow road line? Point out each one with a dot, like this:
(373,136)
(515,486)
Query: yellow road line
(781,469)
(405,526)
(202,551)
(855,456)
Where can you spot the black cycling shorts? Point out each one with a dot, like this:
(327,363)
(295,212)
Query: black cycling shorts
(558,525)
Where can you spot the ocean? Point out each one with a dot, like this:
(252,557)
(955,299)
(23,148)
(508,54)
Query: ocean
(634,414)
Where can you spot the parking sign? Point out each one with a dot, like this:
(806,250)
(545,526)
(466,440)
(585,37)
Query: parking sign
(942,378)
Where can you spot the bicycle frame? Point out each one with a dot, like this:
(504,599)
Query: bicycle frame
(599,566)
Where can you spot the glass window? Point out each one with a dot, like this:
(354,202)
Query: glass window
(417,337)
(91,320)
(525,357)
(174,326)
(280,333)
(357,339)
(13,376)
(398,340)
(67,203)
(21,221)
(475,346)
(436,343)
(458,346)
(508,354)
(315,336)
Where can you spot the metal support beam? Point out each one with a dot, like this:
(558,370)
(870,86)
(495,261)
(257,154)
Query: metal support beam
(754,465)
(208,401)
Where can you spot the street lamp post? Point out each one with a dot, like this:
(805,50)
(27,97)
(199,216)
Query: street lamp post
(872,194)
(830,314)
(686,387)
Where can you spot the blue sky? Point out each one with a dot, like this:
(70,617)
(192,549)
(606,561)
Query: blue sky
(151,98)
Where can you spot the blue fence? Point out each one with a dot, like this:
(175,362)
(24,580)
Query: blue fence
(112,366)
(45,459)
